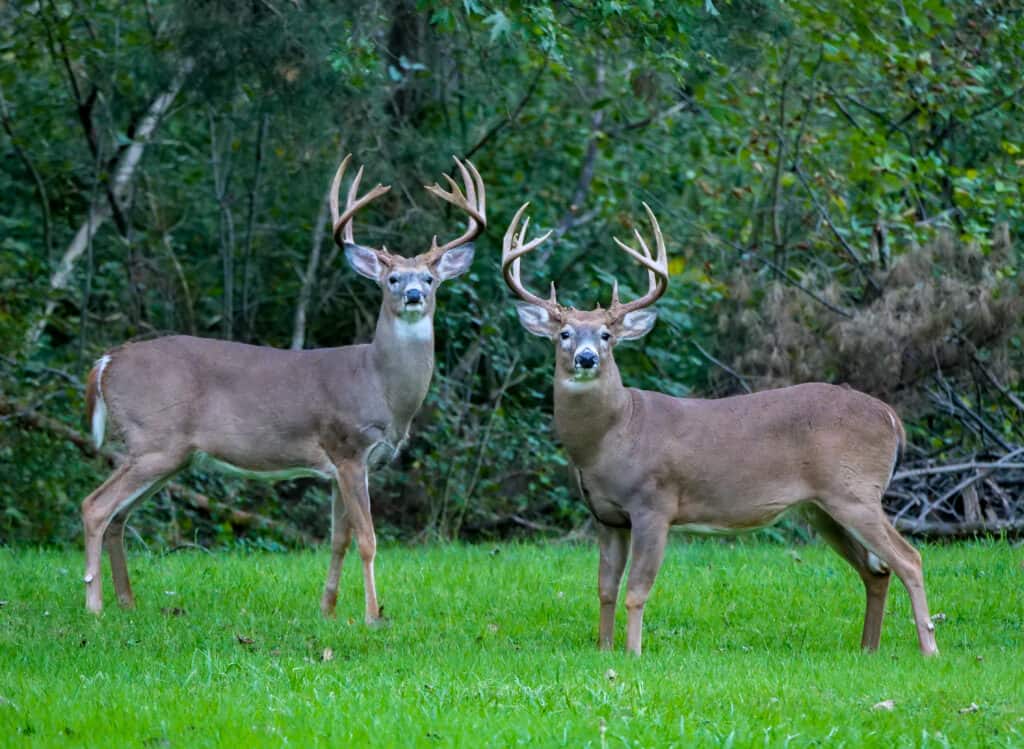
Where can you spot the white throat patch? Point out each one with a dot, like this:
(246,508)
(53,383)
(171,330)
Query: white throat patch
(420,330)
(575,385)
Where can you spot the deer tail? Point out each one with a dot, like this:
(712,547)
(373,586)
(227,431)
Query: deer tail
(95,405)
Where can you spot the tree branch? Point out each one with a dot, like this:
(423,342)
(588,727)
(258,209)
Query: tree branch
(739,378)
(309,277)
(513,115)
(850,251)
(99,211)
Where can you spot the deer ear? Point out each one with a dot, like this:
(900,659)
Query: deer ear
(535,319)
(455,262)
(636,324)
(363,260)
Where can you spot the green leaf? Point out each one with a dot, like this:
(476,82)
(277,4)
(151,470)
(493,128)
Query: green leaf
(500,25)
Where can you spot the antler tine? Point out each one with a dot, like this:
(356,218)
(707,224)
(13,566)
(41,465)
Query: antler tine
(342,223)
(473,201)
(336,188)
(353,191)
(657,269)
(512,250)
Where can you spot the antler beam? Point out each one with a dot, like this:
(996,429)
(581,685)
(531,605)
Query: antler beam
(473,201)
(512,250)
(657,270)
(342,222)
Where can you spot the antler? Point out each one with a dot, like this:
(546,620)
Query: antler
(343,223)
(512,250)
(473,202)
(657,271)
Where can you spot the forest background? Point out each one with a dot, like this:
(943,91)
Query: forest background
(839,184)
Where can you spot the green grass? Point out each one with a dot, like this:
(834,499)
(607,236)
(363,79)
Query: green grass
(745,644)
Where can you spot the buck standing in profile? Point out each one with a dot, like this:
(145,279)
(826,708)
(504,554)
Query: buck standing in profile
(645,461)
(332,413)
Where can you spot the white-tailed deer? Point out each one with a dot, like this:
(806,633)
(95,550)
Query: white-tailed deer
(332,413)
(645,461)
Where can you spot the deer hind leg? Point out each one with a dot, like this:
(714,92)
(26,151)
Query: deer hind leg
(614,546)
(127,485)
(648,550)
(866,522)
(341,537)
(352,478)
(113,542)
(873,573)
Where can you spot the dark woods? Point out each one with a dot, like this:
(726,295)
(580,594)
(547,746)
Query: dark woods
(839,187)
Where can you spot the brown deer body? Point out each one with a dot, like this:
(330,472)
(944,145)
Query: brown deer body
(646,461)
(255,410)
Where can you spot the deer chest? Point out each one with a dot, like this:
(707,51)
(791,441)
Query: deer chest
(605,508)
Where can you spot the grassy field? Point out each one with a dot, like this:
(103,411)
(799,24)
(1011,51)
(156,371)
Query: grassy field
(745,644)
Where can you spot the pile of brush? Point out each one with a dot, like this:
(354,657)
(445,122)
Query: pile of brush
(982,495)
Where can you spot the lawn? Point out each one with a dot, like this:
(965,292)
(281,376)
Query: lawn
(745,644)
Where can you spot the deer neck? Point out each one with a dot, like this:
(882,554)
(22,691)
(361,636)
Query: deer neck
(584,414)
(403,354)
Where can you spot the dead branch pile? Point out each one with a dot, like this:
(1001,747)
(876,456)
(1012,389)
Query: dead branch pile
(982,495)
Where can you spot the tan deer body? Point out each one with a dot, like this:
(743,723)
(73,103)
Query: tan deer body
(334,413)
(646,461)
(789,436)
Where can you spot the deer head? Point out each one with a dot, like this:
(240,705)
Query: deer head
(408,284)
(584,339)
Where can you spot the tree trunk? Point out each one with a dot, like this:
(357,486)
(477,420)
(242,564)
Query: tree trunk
(100,210)
(309,278)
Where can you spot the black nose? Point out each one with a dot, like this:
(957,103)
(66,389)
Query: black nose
(586,359)
(414,296)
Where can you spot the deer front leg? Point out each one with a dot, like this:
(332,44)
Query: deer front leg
(614,546)
(648,549)
(352,483)
(341,537)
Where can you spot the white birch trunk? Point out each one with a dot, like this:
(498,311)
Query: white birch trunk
(100,210)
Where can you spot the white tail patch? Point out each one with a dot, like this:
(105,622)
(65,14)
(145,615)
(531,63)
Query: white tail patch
(876,565)
(99,411)
(896,452)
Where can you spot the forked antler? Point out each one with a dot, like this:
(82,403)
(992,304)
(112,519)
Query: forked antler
(473,202)
(343,223)
(512,250)
(657,271)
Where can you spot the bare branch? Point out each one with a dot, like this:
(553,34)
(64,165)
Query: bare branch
(850,251)
(100,211)
(722,365)
(309,277)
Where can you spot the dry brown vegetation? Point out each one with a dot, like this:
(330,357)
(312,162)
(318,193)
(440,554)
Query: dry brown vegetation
(938,306)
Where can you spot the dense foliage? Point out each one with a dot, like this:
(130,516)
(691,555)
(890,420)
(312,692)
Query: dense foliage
(840,185)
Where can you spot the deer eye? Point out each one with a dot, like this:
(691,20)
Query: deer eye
(393,280)
(606,336)
(565,335)
(428,280)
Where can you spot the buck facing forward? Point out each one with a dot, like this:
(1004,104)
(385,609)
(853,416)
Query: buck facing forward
(645,461)
(332,413)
